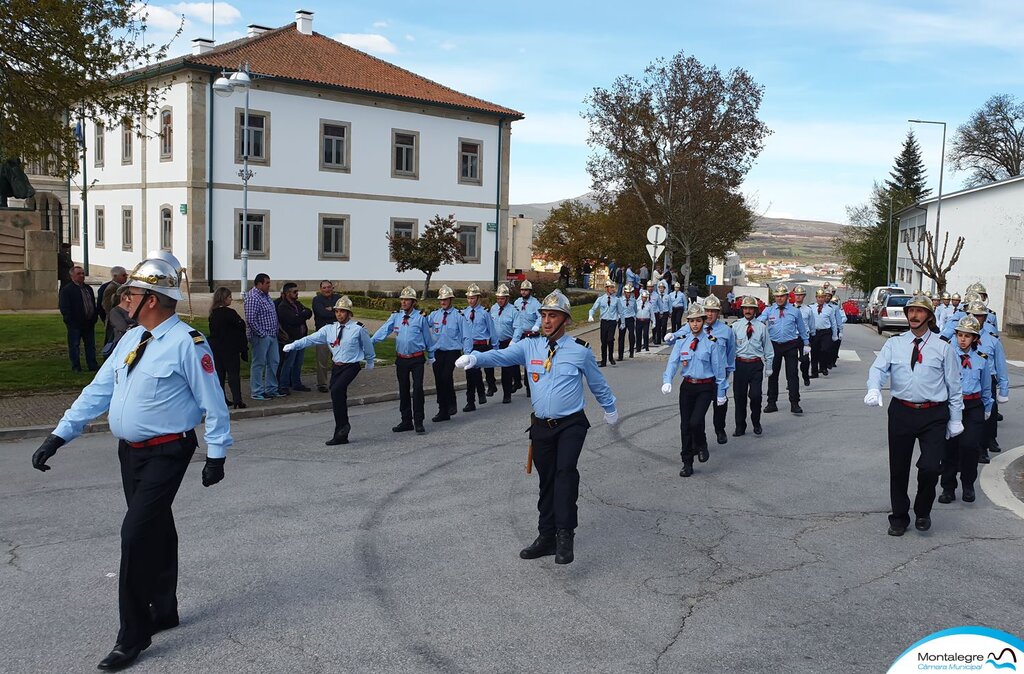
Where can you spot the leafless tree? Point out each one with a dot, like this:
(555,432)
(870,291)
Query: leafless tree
(933,266)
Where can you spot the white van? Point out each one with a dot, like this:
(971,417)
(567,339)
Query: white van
(876,298)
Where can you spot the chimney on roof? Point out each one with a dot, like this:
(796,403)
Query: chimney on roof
(304,22)
(255,29)
(201,45)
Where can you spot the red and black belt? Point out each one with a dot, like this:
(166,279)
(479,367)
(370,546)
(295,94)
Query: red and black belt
(972,396)
(921,406)
(690,380)
(418,354)
(748,360)
(159,440)
(481,342)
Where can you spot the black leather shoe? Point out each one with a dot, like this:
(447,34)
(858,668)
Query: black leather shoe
(923,523)
(402,427)
(491,390)
(612,361)
(824,373)
(722,438)
(687,470)
(470,407)
(506,400)
(999,416)
(968,495)
(993,446)
(563,546)
(737,433)
(947,496)
(599,364)
(770,407)
(483,400)
(122,656)
(984,458)
(807,381)
(703,454)
(542,547)
(795,408)
(167,620)
(757,428)
(322,389)
(814,376)
(419,429)
(240,405)
(452,411)
(340,436)
(440,417)
(896,530)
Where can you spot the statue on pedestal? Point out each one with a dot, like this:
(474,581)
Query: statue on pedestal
(14,182)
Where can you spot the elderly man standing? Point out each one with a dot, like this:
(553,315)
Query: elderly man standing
(323,314)
(78,309)
(262,326)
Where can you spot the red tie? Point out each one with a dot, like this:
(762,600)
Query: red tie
(405,319)
(916,356)
(338,340)
(750,329)
(693,345)
(708,328)
(781,312)
(500,309)
(819,308)
(444,319)
(965,360)
(472,315)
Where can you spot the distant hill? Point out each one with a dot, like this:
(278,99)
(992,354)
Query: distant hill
(773,238)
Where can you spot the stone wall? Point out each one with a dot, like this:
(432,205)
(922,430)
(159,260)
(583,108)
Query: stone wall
(1012,320)
(28,276)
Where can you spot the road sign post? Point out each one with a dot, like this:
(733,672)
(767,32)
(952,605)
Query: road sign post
(711,280)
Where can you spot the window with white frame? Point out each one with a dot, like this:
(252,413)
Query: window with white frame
(469,161)
(127,138)
(98,145)
(166,135)
(259,233)
(166,228)
(100,227)
(76,227)
(258,136)
(404,154)
(469,237)
(404,228)
(334,145)
(334,237)
(126,227)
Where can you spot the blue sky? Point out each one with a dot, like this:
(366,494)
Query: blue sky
(840,78)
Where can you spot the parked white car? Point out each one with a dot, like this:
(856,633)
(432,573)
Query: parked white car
(876,298)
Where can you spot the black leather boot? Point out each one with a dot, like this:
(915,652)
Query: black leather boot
(542,547)
(563,546)
(340,436)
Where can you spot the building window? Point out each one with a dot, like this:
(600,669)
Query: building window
(469,161)
(166,228)
(126,227)
(259,234)
(469,237)
(404,227)
(101,227)
(920,233)
(405,156)
(334,145)
(97,146)
(127,135)
(166,135)
(334,237)
(76,225)
(259,136)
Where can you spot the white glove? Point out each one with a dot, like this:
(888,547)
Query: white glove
(666,388)
(873,398)
(1002,399)
(721,401)
(590,319)
(988,414)
(430,360)
(611,418)
(670,337)
(807,350)
(953,429)
(466,362)
(289,347)
(840,335)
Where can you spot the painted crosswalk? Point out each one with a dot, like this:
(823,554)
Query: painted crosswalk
(1016,363)
(849,354)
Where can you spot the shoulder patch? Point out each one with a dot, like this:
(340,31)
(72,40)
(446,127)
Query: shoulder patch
(581,342)
(197,337)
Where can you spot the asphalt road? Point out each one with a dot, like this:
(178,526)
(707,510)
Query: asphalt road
(399,552)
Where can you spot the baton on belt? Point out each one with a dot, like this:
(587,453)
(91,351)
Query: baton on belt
(529,459)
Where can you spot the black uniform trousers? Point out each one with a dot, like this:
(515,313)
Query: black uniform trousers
(677,318)
(475,378)
(148,577)
(660,326)
(410,388)
(788,351)
(508,373)
(834,353)
(643,334)
(444,380)
(629,330)
(229,367)
(821,351)
(719,412)
(694,400)
(927,427)
(608,340)
(960,453)
(342,375)
(746,383)
(556,450)
(991,425)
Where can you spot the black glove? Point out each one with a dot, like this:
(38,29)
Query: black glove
(49,447)
(213,471)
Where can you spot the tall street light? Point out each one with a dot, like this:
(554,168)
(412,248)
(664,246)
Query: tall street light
(938,202)
(226,85)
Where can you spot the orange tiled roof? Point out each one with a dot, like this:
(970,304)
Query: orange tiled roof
(287,53)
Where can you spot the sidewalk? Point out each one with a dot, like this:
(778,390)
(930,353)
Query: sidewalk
(36,415)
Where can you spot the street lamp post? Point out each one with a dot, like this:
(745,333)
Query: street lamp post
(938,201)
(888,257)
(226,85)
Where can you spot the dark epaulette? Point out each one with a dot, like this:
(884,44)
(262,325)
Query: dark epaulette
(360,324)
(712,338)
(982,354)
(942,337)
(196,336)
(582,343)
(460,311)
(994,335)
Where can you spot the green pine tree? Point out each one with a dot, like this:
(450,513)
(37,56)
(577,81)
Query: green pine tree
(907,175)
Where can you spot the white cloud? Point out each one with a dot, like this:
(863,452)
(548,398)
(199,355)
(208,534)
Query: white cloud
(158,18)
(368,42)
(410,38)
(380,24)
(447,45)
(224,14)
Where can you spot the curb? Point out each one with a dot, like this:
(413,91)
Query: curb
(993,481)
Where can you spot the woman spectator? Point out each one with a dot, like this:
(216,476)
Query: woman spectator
(119,321)
(228,342)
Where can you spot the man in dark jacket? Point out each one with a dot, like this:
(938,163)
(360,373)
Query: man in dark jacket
(78,308)
(323,314)
(292,316)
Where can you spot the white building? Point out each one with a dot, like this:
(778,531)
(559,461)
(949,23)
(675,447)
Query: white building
(991,220)
(345,148)
(729,271)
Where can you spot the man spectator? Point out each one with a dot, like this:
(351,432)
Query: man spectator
(262,326)
(99,294)
(645,275)
(691,292)
(656,276)
(563,275)
(78,309)
(64,264)
(323,314)
(730,299)
(667,277)
(292,315)
(619,277)
(587,270)
(612,268)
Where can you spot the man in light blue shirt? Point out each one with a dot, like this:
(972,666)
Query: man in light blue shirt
(990,344)
(663,306)
(504,316)
(799,295)
(678,304)
(612,310)
(927,408)
(156,386)
(628,325)
(527,326)
(788,331)
(480,336)
(349,343)
(825,331)
(414,346)
(753,354)
(449,341)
